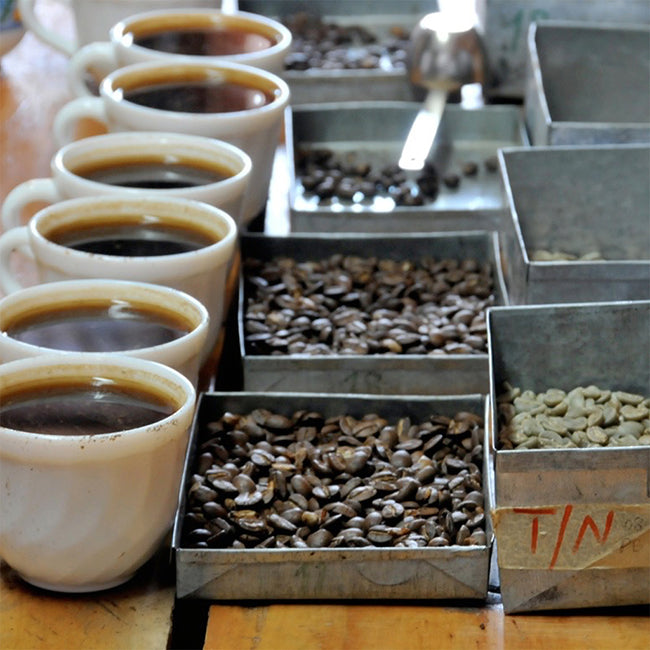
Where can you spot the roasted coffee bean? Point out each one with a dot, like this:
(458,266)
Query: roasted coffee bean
(491,163)
(352,180)
(291,503)
(470,168)
(451,180)
(320,44)
(449,318)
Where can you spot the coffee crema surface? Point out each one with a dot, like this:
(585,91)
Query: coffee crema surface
(130,238)
(106,326)
(203,96)
(81,407)
(215,41)
(152,173)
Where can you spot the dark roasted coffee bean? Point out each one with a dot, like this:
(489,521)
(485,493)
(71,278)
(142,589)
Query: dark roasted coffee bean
(470,168)
(451,180)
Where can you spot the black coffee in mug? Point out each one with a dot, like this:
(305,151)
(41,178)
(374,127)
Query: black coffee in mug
(81,406)
(151,172)
(97,326)
(198,96)
(131,236)
(197,41)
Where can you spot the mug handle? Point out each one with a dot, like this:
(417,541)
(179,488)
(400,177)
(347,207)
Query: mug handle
(69,116)
(45,34)
(10,241)
(36,189)
(97,57)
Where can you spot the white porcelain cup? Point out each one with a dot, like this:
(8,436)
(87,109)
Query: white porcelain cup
(255,127)
(143,320)
(115,164)
(200,272)
(89,486)
(94,18)
(200,34)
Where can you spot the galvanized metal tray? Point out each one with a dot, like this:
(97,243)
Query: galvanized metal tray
(374,132)
(572,526)
(588,83)
(328,573)
(505,26)
(577,200)
(396,374)
(378,16)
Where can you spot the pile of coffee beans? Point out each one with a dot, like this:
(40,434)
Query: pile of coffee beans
(329,46)
(327,175)
(582,417)
(265,480)
(347,304)
(348,178)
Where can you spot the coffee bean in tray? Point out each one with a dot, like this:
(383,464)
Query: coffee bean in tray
(351,178)
(348,304)
(265,480)
(321,44)
(583,417)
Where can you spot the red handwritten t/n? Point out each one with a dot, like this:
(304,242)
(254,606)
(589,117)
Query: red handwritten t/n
(587,523)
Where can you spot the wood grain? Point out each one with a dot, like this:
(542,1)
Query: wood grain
(416,627)
(137,615)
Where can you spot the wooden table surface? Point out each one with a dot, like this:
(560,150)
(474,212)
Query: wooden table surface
(142,613)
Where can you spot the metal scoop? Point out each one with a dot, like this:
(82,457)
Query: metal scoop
(445,53)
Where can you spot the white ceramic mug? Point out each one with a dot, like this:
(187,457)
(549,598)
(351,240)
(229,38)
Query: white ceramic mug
(200,272)
(94,18)
(166,35)
(256,128)
(224,168)
(143,320)
(85,502)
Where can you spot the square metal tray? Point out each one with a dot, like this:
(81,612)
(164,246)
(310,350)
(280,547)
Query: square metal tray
(351,573)
(378,16)
(375,132)
(505,26)
(544,498)
(396,374)
(588,83)
(577,200)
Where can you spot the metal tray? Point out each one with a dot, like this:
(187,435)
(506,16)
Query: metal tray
(378,16)
(588,84)
(352,573)
(396,374)
(577,200)
(505,25)
(546,496)
(375,133)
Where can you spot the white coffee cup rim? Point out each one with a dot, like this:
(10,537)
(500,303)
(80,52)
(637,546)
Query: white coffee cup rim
(235,159)
(109,87)
(143,293)
(114,205)
(55,447)
(119,31)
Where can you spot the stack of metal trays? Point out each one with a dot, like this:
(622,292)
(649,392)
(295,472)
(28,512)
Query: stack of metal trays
(579,223)
(572,521)
(588,83)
